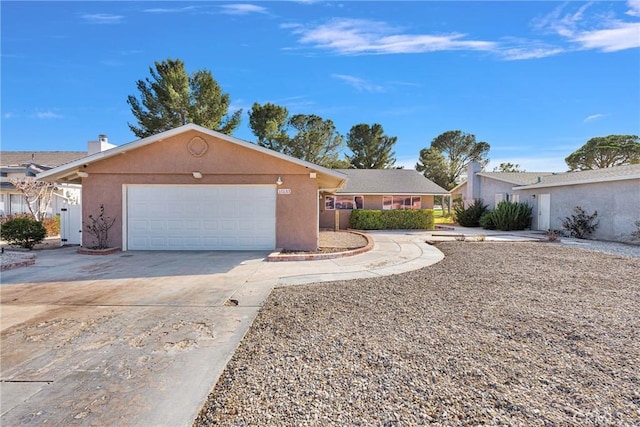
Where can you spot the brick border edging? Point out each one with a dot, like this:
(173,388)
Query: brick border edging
(87,251)
(279,257)
(18,264)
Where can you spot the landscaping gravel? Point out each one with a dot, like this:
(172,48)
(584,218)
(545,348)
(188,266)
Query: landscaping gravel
(495,334)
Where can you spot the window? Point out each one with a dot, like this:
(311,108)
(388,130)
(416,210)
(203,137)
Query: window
(343,202)
(515,198)
(401,202)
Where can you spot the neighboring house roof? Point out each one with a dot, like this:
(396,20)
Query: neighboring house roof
(43,158)
(517,178)
(388,181)
(615,173)
(69,171)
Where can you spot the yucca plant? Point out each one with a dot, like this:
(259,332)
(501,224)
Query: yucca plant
(510,216)
(470,216)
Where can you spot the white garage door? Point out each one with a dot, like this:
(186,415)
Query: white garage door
(201,217)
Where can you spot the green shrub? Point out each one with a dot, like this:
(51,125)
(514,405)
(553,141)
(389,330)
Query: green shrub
(580,225)
(509,216)
(486,221)
(410,219)
(470,216)
(23,231)
(366,220)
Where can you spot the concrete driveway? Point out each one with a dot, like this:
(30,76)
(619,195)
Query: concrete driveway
(140,338)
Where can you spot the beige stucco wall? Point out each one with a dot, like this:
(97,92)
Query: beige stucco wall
(170,162)
(371,202)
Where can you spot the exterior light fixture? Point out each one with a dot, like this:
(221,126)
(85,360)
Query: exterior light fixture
(82,174)
(197,174)
(279,181)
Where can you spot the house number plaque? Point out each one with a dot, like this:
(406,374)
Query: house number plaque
(284,191)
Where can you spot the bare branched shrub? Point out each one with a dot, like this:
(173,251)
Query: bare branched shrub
(99,228)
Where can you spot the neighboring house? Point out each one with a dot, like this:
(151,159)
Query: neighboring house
(192,188)
(613,192)
(378,189)
(27,164)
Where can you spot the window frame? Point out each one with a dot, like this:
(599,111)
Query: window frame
(332,202)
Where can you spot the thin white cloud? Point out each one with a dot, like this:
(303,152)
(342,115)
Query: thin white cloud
(517,49)
(593,117)
(599,31)
(360,36)
(242,9)
(634,8)
(8,115)
(45,115)
(622,36)
(170,9)
(103,18)
(359,84)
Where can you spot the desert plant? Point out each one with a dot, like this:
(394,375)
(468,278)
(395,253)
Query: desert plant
(470,216)
(23,231)
(460,237)
(509,216)
(580,225)
(486,221)
(481,237)
(99,228)
(553,235)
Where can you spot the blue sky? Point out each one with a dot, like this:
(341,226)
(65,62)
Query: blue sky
(535,80)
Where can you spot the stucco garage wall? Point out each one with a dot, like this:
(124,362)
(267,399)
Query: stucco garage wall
(170,162)
(617,203)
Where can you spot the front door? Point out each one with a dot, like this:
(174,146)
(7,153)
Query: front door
(544,211)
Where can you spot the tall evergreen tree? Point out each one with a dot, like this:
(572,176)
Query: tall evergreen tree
(269,124)
(171,98)
(605,151)
(316,141)
(456,149)
(371,148)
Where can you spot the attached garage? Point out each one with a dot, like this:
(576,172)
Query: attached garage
(201,217)
(192,188)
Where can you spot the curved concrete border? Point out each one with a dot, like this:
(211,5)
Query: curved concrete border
(278,256)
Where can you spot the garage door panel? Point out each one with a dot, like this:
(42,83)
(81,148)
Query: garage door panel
(201,217)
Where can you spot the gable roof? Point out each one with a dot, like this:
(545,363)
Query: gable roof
(68,172)
(517,178)
(388,181)
(615,173)
(43,158)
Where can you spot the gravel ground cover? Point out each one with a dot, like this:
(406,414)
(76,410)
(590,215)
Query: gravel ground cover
(335,241)
(495,334)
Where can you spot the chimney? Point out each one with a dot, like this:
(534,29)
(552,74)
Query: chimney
(473,183)
(101,144)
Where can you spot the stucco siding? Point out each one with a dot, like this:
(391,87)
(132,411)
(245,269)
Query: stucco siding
(171,162)
(617,204)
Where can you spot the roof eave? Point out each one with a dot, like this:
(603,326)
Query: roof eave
(121,149)
(583,181)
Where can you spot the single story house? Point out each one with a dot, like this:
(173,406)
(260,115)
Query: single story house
(27,164)
(377,189)
(613,192)
(192,188)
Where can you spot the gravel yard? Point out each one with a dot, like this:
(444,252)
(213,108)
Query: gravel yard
(496,333)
